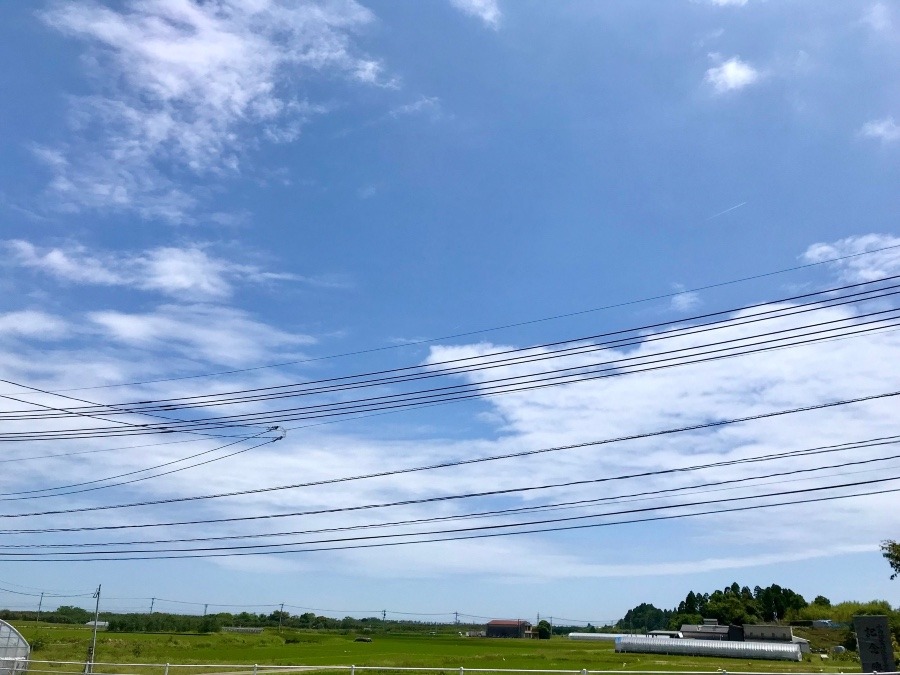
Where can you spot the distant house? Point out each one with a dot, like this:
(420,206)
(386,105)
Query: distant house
(508,628)
(711,630)
(101,625)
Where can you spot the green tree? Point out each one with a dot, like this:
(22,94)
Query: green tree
(891,551)
(645,617)
(544,629)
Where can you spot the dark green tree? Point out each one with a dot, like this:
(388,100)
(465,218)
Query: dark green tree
(544,629)
(645,617)
(891,551)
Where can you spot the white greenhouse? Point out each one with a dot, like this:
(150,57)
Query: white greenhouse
(595,637)
(739,650)
(14,650)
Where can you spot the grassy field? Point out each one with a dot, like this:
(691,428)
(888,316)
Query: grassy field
(447,650)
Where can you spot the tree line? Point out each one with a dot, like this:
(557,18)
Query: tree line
(739,605)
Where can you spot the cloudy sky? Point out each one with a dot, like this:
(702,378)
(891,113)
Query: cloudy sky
(399,224)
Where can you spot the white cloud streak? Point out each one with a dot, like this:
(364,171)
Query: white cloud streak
(187,273)
(205,333)
(188,87)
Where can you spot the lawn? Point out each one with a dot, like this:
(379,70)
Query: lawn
(390,650)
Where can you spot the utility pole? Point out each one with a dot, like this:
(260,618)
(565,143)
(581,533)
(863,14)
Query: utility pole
(204,609)
(456,617)
(383,615)
(40,602)
(280,614)
(152,600)
(89,666)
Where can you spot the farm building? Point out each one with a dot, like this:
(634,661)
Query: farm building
(711,630)
(769,633)
(508,628)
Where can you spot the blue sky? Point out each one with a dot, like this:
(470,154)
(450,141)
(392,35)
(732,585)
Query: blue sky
(189,189)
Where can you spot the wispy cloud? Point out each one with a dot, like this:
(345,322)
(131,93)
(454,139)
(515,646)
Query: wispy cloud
(725,3)
(486,10)
(32,324)
(732,75)
(878,17)
(684,300)
(884,130)
(430,105)
(187,273)
(211,334)
(187,87)
(861,267)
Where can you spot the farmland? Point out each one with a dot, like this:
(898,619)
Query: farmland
(444,649)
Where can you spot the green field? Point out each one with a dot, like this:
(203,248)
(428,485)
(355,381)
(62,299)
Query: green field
(392,650)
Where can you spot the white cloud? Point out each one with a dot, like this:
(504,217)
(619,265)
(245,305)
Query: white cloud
(486,10)
(732,75)
(188,273)
(725,3)
(175,340)
(683,302)
(32,324)
(878,17)
(187,86)
(885,130)
(859,268)
(215,335)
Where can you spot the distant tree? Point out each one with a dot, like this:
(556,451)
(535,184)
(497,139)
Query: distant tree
(890,549)
(821,601)
(776,602)
(645,617)
(74,614)
(544,629)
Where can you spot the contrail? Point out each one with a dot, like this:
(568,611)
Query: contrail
(722,213)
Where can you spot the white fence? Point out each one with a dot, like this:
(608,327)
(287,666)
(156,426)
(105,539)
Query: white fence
(78,668)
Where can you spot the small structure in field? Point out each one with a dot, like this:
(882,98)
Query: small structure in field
(508,628)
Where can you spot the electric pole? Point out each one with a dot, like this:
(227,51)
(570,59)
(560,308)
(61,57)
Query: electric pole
(152,600)
(280,614)
(40,602)
(89,666)
(204,609)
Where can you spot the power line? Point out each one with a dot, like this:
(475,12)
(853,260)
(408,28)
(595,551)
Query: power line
(479,532)
(28,494)
(517,324)
(824,299)
(580,373)
(734,483)
(454,463)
